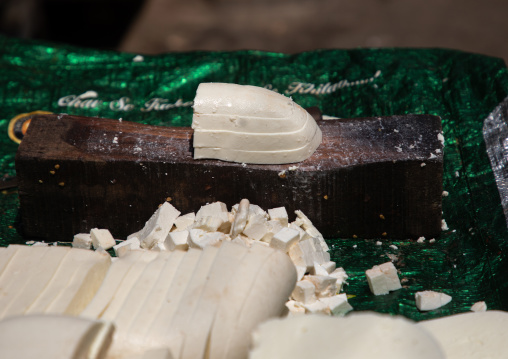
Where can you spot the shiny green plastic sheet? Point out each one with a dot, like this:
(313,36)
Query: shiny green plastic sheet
(468,261)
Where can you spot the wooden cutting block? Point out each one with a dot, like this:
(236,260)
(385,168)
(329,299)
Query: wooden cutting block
(371,177)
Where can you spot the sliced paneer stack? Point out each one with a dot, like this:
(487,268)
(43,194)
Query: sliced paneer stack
(199,325)
(471,335)
(74,284)
(111,283)
(158,328)
(54,336)
(249,124)
(36,279)
(26,261)
(277,276)
(155,300)
(129,281)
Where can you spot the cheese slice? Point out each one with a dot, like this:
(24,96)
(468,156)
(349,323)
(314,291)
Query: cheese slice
(276,276)
(90,268)
(178,329)
(253,141)
(158,329)
(6,255)
(26,261)
(200,322)
(154,301)
(37,279)
(69,289)
(113,280)
(54,337)
(259,157)
(129,281)
(230,306)
(357,336)
(471,335)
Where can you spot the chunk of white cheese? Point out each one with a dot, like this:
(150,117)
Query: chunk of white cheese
(123,247)
(256,227)
(200,239)
(479,307)
(240,217)
(102,238)
(279,214)
(383,278)
(54,336)
(158,226)
(304,292)
(311,230)
(337,304)
(82,240)
(284,239)
(183,222)
(177,240)
(325,286)
(430,300)
(362,335)
(250,124)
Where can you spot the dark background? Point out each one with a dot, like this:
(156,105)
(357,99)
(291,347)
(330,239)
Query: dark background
(158,26)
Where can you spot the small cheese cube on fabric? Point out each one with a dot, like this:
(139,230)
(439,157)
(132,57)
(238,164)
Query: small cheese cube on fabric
(183,222)
(430,300)
(102,238)
(479,307)
(325,285)
(304,292)
(177,240)
(337,304)
(383,278)
(279,214)
(124,247)
(284,239)
(256,227)
(82,240)
(201,239)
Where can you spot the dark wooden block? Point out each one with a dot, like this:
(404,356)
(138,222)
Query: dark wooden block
(371,177)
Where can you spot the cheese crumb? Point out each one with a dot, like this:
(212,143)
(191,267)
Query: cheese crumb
(430,300)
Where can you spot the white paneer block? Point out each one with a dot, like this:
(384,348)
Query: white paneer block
(208,223)
(273,228)
(284,239)
(158,226)
(304,292)
(337,304)
(341,276)
(295,308)
(159,247)
(311,230)
(102,238)
(479,307)
(82,240)
(124,247)
(279,214)
(177,240)
(215,209)
(201,239)
(303,235)
(306,252)
(300,272)
(329,266)
(318,269)
(318,307)
(430,300)
(256,227)
(383,278)
(325,285)
(183,222)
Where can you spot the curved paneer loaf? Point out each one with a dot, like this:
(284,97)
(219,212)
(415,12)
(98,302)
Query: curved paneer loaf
(248,124)
(357,336)
(471,335)
(54,336)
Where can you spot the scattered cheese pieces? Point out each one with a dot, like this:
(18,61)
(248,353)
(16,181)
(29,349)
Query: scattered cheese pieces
(430,300)
(102,238)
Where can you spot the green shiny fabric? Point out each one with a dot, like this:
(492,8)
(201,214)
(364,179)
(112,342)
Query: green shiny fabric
(470,259)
